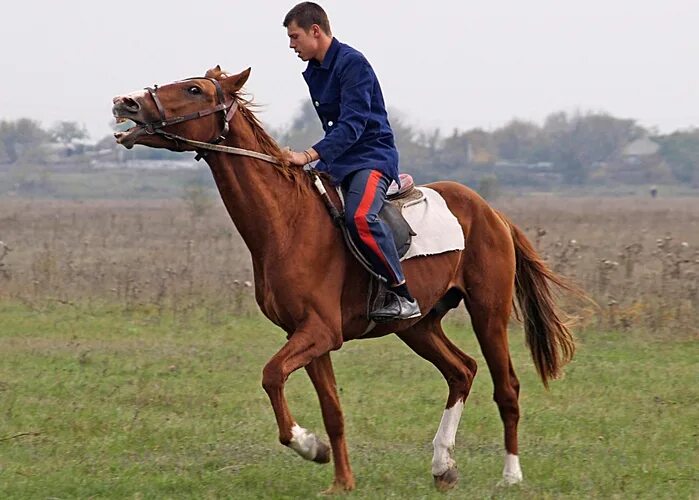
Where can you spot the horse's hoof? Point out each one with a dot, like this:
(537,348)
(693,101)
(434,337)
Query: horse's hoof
(447,480)
(510,479)
(338,488)
(323,453)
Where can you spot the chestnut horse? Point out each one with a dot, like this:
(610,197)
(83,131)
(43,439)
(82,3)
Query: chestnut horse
(308,283)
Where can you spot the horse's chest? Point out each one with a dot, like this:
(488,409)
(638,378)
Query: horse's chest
(276,304)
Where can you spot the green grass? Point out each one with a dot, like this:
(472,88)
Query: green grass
(148,408)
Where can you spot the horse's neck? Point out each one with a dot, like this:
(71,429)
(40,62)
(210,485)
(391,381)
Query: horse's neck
(264,205)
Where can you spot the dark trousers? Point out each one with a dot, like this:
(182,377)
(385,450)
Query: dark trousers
(365,192)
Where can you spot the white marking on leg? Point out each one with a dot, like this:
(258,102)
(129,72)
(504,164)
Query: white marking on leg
(303,442)
(445,439)
(512,473)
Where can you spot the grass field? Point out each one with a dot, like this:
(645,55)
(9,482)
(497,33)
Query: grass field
(96,403)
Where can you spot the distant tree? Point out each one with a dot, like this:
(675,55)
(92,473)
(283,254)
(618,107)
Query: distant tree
(430,139)
(681,151)
(577,142)
(455,150)
(482,147)
(520,140)
(21,137)
(65,132)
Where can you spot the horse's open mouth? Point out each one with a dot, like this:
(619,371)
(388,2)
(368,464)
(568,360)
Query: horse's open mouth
(127,138)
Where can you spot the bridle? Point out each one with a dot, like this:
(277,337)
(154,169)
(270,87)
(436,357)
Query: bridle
(227,111)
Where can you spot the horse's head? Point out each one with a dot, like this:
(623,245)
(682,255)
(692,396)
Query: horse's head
(198,109)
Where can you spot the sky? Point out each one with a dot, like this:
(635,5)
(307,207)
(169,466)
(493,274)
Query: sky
(447,64)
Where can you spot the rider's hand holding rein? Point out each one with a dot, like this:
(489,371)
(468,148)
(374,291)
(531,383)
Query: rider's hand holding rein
(300,159)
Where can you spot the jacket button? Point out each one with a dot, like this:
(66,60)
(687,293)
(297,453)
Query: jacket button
(330,124)
(317,104)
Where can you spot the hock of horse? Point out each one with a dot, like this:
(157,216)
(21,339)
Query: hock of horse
(308,283)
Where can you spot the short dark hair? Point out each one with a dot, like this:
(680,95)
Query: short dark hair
(306,14)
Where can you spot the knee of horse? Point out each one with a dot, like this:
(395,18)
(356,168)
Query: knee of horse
(272,377)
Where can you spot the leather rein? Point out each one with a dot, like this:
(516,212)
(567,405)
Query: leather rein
(227,111)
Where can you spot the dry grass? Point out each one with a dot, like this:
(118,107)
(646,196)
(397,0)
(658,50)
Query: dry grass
(639,259)
(159,255)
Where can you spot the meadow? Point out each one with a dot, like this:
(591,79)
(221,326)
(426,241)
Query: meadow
(100,405)
(131,353)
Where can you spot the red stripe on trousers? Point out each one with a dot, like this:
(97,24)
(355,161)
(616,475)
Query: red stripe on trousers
(361,222)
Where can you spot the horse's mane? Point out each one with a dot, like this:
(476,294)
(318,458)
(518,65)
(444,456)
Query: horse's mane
(267,143)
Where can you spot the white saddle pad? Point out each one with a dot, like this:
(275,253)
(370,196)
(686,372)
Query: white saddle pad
(438,230)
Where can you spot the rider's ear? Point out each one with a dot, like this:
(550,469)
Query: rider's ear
(234,83)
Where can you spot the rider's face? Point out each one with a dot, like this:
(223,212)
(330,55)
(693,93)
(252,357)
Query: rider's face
(304,43)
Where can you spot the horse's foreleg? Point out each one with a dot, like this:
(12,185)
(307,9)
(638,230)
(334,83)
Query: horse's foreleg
(428,340)
(303,347)
(320,371)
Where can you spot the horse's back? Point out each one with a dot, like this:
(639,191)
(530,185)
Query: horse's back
(477,218)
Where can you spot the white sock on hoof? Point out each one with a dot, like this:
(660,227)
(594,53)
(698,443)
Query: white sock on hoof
(445,438)
(303,442)
(512,473)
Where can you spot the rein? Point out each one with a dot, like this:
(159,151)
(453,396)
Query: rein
(222,149)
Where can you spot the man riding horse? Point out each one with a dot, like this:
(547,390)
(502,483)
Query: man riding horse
(310,285)
(358,150)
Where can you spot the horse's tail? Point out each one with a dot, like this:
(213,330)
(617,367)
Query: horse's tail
(548,337)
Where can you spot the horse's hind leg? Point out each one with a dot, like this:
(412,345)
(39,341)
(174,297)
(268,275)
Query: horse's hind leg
(428,340)
(490,308)
(321,373)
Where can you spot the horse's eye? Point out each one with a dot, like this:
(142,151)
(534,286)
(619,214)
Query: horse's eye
(194,90)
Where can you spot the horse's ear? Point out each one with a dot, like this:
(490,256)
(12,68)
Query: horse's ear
(234,83)
(214,72)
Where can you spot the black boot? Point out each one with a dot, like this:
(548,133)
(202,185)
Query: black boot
(395,308)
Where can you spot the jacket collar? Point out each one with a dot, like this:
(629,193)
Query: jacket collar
(329,56)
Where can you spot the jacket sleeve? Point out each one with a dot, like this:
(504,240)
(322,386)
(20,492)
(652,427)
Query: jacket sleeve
(356,88)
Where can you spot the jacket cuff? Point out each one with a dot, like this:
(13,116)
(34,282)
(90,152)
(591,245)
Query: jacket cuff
(324,151)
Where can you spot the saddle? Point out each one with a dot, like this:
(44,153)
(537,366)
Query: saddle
(396,197)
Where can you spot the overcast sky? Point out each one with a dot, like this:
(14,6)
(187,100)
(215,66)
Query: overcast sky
(443,64)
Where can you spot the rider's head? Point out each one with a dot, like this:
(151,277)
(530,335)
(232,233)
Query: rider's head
(309,31)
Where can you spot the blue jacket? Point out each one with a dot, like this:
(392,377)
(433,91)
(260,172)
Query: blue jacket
(350,105)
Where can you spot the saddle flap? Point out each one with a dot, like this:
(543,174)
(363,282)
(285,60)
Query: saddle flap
(402,232)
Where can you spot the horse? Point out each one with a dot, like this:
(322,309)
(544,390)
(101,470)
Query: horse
(310,285)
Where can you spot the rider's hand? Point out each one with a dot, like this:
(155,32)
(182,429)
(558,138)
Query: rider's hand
(295,158)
